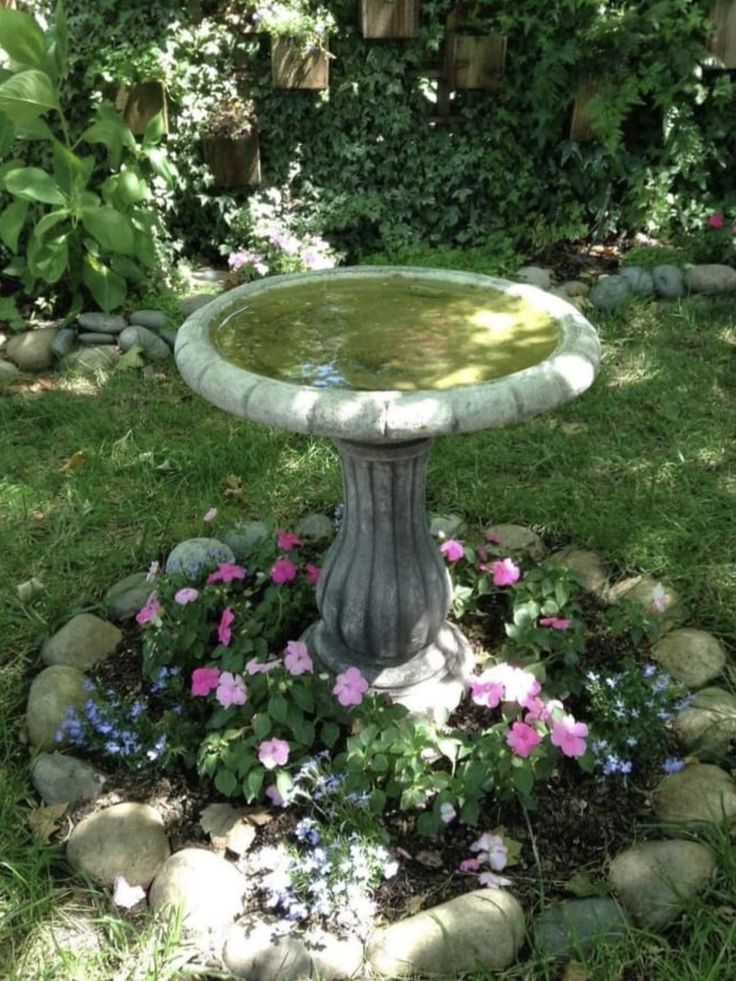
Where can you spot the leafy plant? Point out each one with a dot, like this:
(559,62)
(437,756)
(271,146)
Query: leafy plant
(230,119)
(91,226)
(307,22)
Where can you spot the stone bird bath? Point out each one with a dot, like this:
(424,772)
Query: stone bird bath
(382,360)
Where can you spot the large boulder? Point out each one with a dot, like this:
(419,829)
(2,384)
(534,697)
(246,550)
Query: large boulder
(195,556)
(578,923)
(125,839)
(31,351)
(60,778)
(707,727)
(53,693)
(82,642)
(710,278)
(698,794)
(206,888)
(693,657)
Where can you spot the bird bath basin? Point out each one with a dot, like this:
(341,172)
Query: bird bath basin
(382,360)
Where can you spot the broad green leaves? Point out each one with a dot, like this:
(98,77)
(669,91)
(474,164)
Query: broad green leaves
(27,95)
(21,38)
(106,286)
(34,184)
(110,228)
(11,222)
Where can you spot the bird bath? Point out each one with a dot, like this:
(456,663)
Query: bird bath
(382,360)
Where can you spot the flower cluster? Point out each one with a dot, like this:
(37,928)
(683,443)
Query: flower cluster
(490,850)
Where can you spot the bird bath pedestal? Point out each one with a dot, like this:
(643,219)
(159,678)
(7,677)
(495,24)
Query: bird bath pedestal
(384,593)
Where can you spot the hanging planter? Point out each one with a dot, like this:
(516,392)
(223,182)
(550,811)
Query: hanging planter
(474,62)
(389,18)
(723,42)
(230,145)
(294,66)
(140,102)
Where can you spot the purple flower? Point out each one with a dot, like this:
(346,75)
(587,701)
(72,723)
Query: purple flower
(672,765)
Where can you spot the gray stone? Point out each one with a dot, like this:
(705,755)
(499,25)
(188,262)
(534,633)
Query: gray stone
(196,556)
(207,889)
(8,372)
(64,342)
(578,924)
(659,601)
(153,319)
(92,360)
(655,879)
(188,304)
(588,565)
(104,323)
(169,336)
(153,347)
(82,642)
(517,538)
(707,728)
(126,597)
(315,527)
(710,278)
(59,778)
(125,839)
(446,525)
(334,959)
(53,692)
(576,288)
(610,293)
(259,954)
(691,656)
(242,537)
(639,280)
(480,930)
(534,276)
(31,351)
(699,794)
(668,281)
(90,340)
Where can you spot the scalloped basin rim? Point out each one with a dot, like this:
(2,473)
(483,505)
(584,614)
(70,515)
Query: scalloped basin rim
(389,416)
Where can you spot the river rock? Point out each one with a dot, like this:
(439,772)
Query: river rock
(658,600)
(195,556)
(707,728)
(516,538)
(710,278)
(315,528)
(257,952)
(669,281)
(480,930)
(82,642)
(691,656)
(575,288)
(153,319)
(91,339)
(92,360)
(60,778)
(31,350)
(205,887)
(639,280)
(103,323)
(578,924)
(125,598)
(655,879)
(153,347)
(8,372)
(125,839)
(332,958)
(52,693)
(64,342)
(588,566)
(189,304)
(609,293)
(534,276)
(700,793)
(168,335)
(446,525)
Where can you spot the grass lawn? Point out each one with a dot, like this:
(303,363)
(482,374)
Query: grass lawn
(641,469)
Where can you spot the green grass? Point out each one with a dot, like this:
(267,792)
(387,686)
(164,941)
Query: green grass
(642,469)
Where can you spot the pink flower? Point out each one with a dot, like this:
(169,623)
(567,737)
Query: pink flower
(716,220)
(494,540)
(283,570)
(569,736)
(260,667)
(484,691)
(452,550)
(204,680)
(522,738)
(505,572)
(231,690)
(287,540)
(273,753)
(537,710)
(224,633)
(350,687)
(274,796)
(313,573)
(187,595)
(297,659)
(556,623)
(504,682)
(151,612)
(226,572)
(493,881)
(210,515)
(492,849)
(469,865)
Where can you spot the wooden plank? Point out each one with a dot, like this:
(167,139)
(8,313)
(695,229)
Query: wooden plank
(389,18)
(723,43)
(294,68)
(474,61)
(234,162)
(140,103)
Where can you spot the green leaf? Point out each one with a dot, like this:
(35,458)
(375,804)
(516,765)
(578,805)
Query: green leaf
(127,268)
(154,130)
(278,708)
(303,697)
(470,812)
(49,221)
(33,184)
(48,260)
(261,725)
(284,783)
(21,37)
(145,250)
(11,222)
(329,734)
(110,130)
(7,134)
(380,763)
(107,287)
(111,229)
(523,781)
(61,37)
(428,824)
(253,782)
(131,187)
(225,781)
(36,129)
(160,163)
(71,171)
(378,801)
(27,95)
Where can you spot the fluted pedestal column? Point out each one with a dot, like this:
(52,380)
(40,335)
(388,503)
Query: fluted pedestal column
(384,592)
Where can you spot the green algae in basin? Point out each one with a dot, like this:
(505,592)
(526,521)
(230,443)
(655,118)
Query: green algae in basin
(381,333)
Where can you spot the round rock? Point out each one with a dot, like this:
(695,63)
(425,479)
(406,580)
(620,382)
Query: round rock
(125,839)
(315,527)
(668,281)
(31,351)
(256,952)
(196,556)
(91,339)
(691,656)
(59,778)
(658,600)
(707,728)
(53,692)
(655,879)
(639,280)
(446,525)
(153,347)
(588,565)
(332,958)
(82,642)
(103,323)
(609,293)
(710,278)
(92,360)
(242,537)
(153,319)
(576,288)
(534,276)
(207,889)
(700,793)
(480,930)
(64,342)
(126,597)
(516,538)
(578,923)
(188,304)
(8,372)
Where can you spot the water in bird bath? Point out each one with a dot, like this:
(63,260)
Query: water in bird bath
(385,333)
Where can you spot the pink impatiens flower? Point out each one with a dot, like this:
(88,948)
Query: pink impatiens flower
(260,667)
(313,573)
(569,736)
(283,570)
(296,658)
(716,220)
(273,753)
(493,881)
(452,550)
(503,682)
(204,680)
(272,792)
(486,691)
(287,540)
(151,612)
(469,865)
(505,572)
(350,687)
(556,623)
(226,572)
(224,631)
(231,690)
(522,738)
(187,595)
(492,849)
